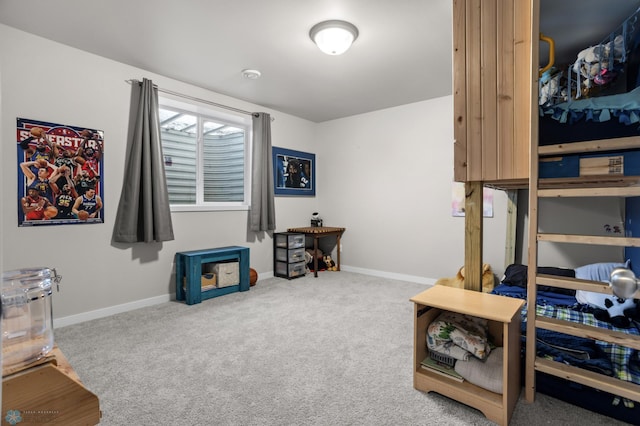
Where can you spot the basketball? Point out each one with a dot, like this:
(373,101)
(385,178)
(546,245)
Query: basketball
(80,160)
(37,132)
(253,277)
(83,215)
(50,212)
(42,163)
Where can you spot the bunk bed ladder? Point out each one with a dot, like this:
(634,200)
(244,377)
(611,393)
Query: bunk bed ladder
(592,186)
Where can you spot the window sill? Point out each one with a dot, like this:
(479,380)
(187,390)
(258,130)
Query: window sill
(192,208)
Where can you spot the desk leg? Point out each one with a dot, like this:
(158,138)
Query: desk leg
(315,257)
(338,250)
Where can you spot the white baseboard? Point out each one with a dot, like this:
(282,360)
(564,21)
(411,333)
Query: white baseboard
(265,275)
(390,275)
(111,310)
(118,309)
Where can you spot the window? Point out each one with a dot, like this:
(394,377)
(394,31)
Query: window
(205,157)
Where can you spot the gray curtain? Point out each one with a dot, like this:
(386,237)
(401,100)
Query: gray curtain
(262,216)
(144,214)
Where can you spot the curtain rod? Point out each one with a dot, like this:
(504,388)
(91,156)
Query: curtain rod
(204,101)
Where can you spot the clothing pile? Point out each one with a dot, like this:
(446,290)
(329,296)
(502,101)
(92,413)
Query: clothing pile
(463,340)
(458,336)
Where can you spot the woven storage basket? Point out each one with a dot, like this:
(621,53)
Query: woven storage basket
(440,357)
(227,274)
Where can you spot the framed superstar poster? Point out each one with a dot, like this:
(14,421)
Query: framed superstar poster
(60,173)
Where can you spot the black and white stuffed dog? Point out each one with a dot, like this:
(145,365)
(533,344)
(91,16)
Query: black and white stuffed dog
(612,309)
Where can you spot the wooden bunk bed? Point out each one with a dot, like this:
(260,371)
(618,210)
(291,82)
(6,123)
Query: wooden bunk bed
(622,138)
(490,138)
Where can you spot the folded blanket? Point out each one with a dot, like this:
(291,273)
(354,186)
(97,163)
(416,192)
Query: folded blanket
(487,374)
(458,336)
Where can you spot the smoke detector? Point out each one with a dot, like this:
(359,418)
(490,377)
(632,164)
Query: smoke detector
(251,74)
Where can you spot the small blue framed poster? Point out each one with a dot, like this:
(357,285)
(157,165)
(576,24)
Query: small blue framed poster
(294,172)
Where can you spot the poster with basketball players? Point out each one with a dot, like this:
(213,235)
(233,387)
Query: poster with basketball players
(59,174)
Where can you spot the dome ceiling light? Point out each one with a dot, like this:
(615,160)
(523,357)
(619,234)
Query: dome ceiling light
(333,37)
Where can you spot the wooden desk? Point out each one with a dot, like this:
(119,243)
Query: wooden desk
(318,232)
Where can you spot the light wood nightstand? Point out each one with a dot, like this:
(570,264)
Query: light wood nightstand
(503,314)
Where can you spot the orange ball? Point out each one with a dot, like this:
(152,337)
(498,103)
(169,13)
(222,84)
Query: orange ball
(38,132)
(50,212)
(83,215)
(253,277)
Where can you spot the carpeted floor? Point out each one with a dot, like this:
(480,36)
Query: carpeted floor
(332,350)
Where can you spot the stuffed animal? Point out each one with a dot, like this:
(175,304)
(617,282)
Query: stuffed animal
(488,279)
(308,260)
(593,62)
(331,265)
(319,254)
(609,308)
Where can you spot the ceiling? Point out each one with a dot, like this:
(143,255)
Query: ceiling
(402,55)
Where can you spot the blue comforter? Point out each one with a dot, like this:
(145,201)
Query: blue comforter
(603,357)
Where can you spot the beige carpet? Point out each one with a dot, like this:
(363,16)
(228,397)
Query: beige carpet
(332,350)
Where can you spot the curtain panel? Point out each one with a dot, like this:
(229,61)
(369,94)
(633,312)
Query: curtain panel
(144,213)
(262,216)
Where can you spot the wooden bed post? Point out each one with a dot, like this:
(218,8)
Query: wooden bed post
(512,227)
(473,236)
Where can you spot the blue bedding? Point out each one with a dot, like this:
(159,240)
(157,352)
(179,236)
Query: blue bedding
(606,358)
(543,297)
(624,107)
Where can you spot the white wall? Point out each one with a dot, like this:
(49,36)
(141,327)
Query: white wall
(51,82)
(580,216)
(385,176)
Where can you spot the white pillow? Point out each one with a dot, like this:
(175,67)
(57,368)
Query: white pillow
(599,271)
(486,374)
(596,272)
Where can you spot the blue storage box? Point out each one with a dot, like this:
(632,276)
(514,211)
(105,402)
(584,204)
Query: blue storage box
(620,163)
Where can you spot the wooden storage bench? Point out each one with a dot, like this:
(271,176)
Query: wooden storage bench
(503,314)
(189,271)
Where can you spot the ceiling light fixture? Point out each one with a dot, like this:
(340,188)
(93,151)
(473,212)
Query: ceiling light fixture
(251,74)
(333,37)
